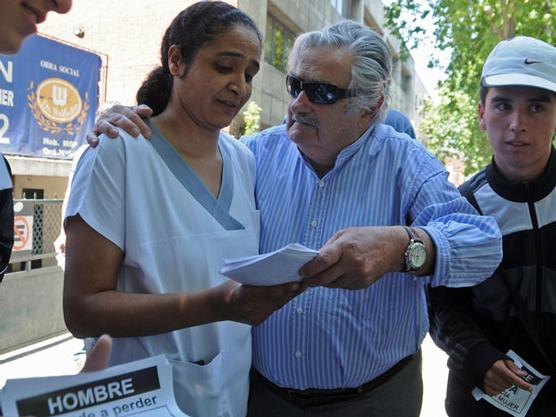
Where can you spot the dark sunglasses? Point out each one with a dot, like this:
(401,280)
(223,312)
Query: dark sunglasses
(319,93)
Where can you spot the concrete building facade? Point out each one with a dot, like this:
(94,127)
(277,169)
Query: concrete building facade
(127,34)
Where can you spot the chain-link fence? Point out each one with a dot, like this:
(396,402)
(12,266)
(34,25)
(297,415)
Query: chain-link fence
(37,225)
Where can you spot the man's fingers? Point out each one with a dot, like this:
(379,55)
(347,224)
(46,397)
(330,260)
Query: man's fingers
(143,110)
(125,122)
(106,127)
(517,376)
(504,374)
(328,256)
(340,282)
(99,356)
(92,138)
(496,388)
(514,368)
(136,118)
(324,278)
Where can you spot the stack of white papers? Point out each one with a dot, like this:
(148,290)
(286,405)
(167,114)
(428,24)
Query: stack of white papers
(141,388)
(274,268)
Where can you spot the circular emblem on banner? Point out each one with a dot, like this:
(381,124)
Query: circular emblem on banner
(57,106)
(59,100)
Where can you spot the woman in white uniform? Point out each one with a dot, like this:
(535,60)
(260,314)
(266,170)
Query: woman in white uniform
(148,223)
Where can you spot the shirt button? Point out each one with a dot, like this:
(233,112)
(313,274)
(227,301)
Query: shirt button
(314,223)
(298,354)
(299,310)
(321,184)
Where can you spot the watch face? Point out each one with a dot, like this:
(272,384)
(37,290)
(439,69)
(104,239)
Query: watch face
(416,255)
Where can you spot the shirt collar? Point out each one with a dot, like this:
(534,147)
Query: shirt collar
(351,149)
(533,190)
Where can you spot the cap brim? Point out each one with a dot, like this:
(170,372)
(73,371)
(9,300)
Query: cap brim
(504,80)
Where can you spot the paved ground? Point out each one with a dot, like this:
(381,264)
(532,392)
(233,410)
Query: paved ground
(64,355)
(435,376)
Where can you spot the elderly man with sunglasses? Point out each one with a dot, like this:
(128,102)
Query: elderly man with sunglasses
(387,224)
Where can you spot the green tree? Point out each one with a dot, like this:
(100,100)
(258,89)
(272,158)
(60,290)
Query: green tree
(252,118)
(470,29)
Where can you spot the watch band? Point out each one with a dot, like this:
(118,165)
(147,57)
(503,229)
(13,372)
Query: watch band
(412,236)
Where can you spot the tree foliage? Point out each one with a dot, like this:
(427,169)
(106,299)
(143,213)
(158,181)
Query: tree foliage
(252,118)
(470,29)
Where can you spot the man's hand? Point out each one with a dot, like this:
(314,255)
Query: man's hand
(355,258)
(504,374)
(250,304)
(99,356)
(126,118)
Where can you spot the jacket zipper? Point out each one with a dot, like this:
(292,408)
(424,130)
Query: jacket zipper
(538,265)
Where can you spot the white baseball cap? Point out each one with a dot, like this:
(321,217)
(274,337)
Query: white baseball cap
(521,61)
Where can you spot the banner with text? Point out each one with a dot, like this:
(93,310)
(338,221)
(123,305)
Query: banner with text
(48,98)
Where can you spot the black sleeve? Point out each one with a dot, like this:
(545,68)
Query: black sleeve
(454,328)
(6,227)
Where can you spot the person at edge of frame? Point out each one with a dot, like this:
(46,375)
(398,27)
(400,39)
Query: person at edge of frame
(514,309)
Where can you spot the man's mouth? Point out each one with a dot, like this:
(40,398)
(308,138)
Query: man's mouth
(305,120)
(517,143)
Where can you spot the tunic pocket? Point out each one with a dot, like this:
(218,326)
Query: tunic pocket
(198,386)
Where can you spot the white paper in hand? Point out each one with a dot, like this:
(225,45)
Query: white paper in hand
(141,388)
(274,268)
(516,401)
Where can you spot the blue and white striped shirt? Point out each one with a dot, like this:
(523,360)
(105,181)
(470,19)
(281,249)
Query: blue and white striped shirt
(334,338)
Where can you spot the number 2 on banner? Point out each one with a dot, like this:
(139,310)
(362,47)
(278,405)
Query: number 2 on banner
(4,125)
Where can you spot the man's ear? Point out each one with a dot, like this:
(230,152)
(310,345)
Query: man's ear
(175,62)
(369,114)
(481,113)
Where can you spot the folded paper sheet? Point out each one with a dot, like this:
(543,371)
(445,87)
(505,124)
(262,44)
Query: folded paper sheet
(274,268)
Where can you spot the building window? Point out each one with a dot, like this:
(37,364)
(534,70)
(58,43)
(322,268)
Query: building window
(278,43)
(343,7)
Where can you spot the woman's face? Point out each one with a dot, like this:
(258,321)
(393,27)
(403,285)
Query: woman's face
(218,81)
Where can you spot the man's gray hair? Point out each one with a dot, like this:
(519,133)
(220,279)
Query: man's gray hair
(370,73)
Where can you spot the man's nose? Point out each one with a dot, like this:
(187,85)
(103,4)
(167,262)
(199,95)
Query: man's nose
(301,102)
(518,122)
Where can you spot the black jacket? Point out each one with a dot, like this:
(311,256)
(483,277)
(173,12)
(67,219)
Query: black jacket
(477,325)
(6,225)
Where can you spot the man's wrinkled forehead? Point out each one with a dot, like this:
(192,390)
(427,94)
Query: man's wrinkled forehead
(307,61)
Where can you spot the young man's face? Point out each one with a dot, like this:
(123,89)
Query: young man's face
(520,123)
(19,19)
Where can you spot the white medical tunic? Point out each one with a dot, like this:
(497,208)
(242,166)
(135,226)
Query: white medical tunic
(143,197)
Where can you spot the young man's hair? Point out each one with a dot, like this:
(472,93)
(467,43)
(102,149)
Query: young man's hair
(483,91)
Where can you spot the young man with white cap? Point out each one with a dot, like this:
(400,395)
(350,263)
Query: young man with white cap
(515,309)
